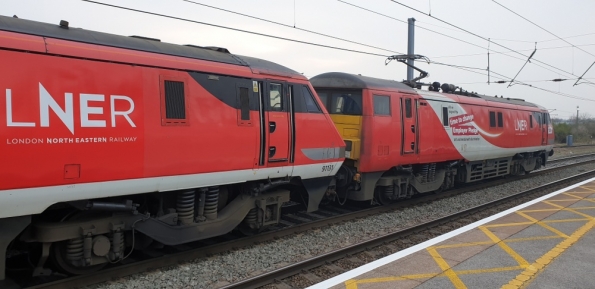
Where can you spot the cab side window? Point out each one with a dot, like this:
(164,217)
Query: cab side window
(276,97)
(381,105)
(311,105)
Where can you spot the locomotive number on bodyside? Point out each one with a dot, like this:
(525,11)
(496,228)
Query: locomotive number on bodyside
(328,168)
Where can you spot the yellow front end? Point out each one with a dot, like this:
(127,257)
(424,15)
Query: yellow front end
(350,128)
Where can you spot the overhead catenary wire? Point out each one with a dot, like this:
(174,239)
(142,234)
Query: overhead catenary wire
(326,35)
(310,43)
(529,81)
(538,41)
(479,36)
(234,29)
(502,52)
(452,37)
(289,26)
(517,14)
(417,26)
(540,27)
(506,79)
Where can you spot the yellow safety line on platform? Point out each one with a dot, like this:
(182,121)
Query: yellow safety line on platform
(529,269)
(352,284)
(571,195)
(584,199)
(522,262)
(573,210)
(459,245)
(526,277)
(456,281)
(554,209)
(538,222)
(530,239)
(515,240)
(562,200)
(490,270)
(545,221)
(508,224)
(587,188)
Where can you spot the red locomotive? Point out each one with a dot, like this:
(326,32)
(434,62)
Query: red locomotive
(402,141)
(110,139)
(104,134)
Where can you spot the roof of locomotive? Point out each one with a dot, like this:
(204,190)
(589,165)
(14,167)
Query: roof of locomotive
(215,54)
(352,81)
(511,101)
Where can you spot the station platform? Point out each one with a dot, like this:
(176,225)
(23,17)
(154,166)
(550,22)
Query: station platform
(545,243)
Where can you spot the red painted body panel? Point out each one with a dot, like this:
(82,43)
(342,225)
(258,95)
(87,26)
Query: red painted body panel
(381,135)
(211,141)
(22,42)
(42,164)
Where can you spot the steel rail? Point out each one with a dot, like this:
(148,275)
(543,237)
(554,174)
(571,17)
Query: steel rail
(571,157)
(206,251)
(320,260)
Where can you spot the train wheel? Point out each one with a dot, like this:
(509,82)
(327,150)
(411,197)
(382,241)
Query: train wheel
(67,256)
(383,195)
(63,252)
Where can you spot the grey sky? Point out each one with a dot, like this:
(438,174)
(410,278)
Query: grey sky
(483,17)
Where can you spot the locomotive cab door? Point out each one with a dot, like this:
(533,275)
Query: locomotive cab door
(409,125)
(544,128)
(277,101)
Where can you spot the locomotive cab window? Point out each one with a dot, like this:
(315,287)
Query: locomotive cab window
(492,119)
(276,97)
(530,121)
(311,105)
(381,105)
(324,99)
(500,120)
(173,101)
(408,113)
(537,117)
(345,102)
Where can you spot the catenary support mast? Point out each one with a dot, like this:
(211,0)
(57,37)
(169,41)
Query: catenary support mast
(410,47)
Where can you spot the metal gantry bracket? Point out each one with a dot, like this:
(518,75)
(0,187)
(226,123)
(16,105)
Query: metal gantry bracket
(583,75)
(403,59)
(528,60)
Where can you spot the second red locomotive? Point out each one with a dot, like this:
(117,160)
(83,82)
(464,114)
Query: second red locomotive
(403,141)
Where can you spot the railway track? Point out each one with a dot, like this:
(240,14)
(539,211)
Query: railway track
(305,270)
(293,222)
(570,158)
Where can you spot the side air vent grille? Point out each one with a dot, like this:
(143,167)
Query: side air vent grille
(175,105)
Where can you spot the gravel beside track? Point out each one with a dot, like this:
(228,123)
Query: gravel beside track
(222,269)
(561,152)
